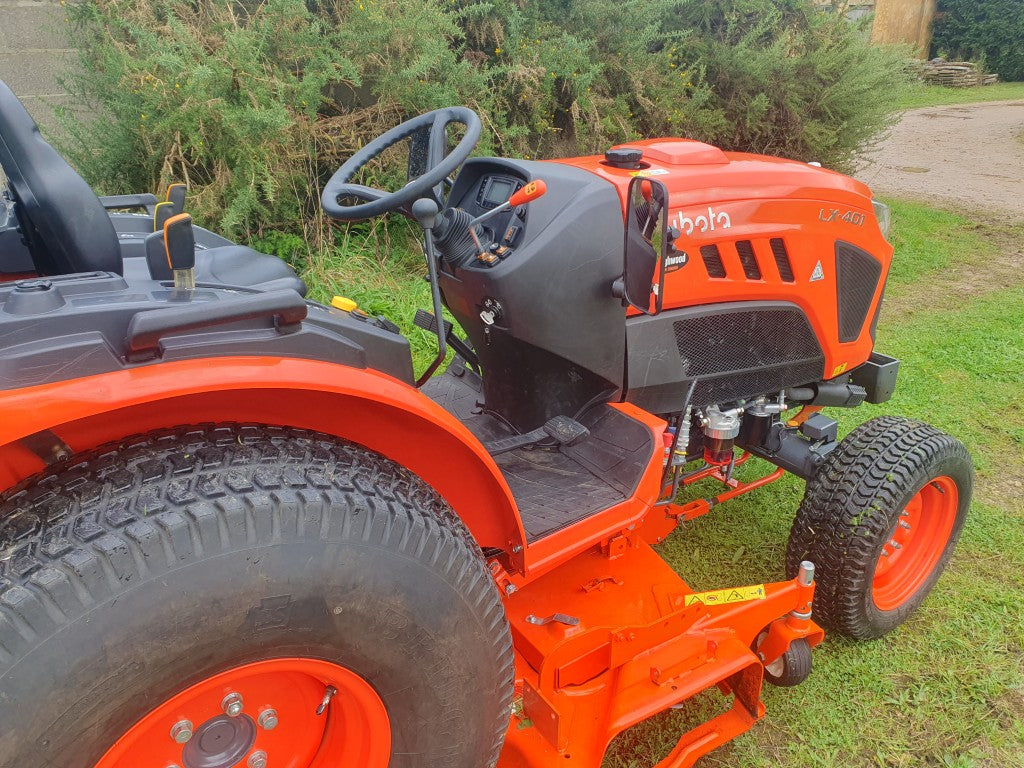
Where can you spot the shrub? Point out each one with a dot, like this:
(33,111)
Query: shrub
(251,103)
(989,31)
(784,78)
(254,103)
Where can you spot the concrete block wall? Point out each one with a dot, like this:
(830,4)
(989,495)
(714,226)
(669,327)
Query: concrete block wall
(33,52)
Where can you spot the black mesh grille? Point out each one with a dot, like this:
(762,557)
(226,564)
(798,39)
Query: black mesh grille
(743,350)
(712,260)
(782,260)
(857,273)
(745,249)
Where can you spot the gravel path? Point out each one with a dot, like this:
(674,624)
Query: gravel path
(967,155)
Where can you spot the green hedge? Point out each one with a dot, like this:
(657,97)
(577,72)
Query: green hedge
(989,31)
(254,103)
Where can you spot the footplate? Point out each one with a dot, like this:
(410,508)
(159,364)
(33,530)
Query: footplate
(639,641)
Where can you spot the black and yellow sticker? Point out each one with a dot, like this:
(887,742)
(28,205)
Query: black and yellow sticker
(726,596)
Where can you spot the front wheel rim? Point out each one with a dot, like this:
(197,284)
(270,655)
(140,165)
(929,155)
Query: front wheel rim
(916,543)
(277,725)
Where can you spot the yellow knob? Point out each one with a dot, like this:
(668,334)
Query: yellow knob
(340,302)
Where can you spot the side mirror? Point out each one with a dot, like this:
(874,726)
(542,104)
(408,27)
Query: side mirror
(649,241)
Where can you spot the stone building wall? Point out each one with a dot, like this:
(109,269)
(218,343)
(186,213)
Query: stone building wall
(33,51)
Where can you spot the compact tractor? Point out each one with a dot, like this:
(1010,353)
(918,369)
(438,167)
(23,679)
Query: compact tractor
(239,529)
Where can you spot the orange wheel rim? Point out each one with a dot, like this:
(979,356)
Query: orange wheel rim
(916,543)
(277,727)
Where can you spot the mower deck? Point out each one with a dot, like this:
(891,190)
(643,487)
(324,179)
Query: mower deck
(614,636)
(555,488)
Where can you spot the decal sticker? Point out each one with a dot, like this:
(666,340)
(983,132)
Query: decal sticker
(838,369)
(848,217)
(702,223)
(649,172)
(726,596)
(676,261)
(818,273)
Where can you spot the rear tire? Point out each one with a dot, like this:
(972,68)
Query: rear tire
(880,520)
(148,567)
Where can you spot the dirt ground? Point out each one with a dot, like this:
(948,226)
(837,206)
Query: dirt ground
(967,156)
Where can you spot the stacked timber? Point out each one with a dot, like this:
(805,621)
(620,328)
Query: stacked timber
(954,74)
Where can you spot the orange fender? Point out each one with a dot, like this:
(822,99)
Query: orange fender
(361,405)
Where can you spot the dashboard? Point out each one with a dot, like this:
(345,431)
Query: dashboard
(486,191)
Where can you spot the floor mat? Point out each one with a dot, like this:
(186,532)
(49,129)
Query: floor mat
(555,487)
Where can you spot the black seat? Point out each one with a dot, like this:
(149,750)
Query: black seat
(69,230)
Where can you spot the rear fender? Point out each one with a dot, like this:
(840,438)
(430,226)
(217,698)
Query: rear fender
(363,406)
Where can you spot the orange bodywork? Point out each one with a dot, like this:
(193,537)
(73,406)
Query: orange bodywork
(721,198)
(364,406)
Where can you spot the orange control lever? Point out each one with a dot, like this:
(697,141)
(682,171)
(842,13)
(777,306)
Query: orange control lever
(530,192)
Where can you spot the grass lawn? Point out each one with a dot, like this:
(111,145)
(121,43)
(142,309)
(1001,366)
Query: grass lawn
(947,688)
(937,95)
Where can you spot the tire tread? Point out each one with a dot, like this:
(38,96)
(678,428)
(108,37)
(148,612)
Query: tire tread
(69,539)
(849,504)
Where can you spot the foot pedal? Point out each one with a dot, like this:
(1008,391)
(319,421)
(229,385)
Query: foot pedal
(562,429)
(428,322)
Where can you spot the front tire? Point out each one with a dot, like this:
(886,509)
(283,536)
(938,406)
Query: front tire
(144,582)
(880,520)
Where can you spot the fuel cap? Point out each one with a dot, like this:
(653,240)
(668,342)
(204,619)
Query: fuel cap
(624,157)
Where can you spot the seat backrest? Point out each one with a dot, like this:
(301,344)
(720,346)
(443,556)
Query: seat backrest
(70,231)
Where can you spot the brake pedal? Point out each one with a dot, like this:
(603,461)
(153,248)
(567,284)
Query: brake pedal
(562,429)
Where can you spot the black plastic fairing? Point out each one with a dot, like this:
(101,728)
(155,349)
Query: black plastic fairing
(557,340)
(857,275)
(732,350)
(72,326)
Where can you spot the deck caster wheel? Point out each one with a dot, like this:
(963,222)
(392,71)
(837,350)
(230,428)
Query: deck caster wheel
(792,667)
(244,596)
(880,519)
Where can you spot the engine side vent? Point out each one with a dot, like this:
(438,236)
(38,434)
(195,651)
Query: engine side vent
(782,260)
(712,260)
(751,269)
(857,274)
(746,349)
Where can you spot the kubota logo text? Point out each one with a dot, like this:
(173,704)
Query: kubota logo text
(702,223)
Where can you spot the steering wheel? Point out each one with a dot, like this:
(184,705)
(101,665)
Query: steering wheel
(426,155)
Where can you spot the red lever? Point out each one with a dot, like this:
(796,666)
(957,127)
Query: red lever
(531,191)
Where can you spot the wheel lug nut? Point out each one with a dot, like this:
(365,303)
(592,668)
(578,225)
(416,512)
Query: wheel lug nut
(232,705)
(181,731)
(257,759)
(268,719)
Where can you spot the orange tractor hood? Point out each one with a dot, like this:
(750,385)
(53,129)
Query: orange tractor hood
(697,173)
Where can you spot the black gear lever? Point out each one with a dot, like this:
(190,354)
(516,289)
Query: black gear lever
(425,211)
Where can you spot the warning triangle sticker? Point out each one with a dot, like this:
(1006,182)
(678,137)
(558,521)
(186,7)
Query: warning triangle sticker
(818,273)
